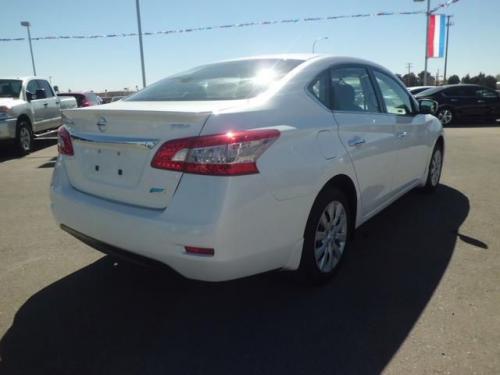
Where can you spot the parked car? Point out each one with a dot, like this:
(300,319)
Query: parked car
(464,102)
(245,166)
(418,89)
(29,108)
(83,99)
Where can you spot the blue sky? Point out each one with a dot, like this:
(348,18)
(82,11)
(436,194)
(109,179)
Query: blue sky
(114,63)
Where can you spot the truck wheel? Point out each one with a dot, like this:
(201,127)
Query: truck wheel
(24,137)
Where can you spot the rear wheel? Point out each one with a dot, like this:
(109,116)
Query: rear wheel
(326,236)
(446,116)
(24,137)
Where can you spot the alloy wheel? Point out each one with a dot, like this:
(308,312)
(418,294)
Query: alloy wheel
(445,116)
(436,165)
(330,237)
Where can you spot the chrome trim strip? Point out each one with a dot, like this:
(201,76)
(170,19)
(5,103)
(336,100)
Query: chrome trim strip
(148,143)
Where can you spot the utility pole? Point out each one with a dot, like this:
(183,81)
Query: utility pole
(448,24)
(140,43)
(27,25)
(408,65)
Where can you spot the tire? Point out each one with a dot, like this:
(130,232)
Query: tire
(317,266)
(24,137)
(434,170)
(446,116)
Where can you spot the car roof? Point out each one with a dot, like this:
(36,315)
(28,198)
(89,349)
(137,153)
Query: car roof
(281,56)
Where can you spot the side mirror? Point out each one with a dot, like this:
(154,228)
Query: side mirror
(427,106)
(40,94)
(29,96)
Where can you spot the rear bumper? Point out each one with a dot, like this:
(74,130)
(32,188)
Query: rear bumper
(8,128)
(250,233)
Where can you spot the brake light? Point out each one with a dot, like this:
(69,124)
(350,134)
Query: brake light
(86,103)
(199,251)
(230,154)
(64,143)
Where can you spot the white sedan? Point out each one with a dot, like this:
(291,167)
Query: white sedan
(245,166)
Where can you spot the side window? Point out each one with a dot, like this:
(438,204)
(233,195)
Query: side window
(352,90)
(44,85)
(319,88)
(32,87)
(469,91)
(486,94)
(397,99)
(454,91)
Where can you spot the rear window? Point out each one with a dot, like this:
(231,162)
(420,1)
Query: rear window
(91,97)
(10,88)
(231,80)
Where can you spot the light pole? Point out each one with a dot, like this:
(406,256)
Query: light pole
(316,41)
(427,14)
(140,42)
(27,25)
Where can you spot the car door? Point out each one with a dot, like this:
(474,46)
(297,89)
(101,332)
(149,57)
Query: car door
(52,106)
(489,102)
(410,136)
(369,140)
(38,109)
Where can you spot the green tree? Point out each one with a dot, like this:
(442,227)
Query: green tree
(431,81)
(466,79)
(453,80)
(489,81)
(410,80)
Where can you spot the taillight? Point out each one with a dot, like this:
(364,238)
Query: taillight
(230,154)
(86,103)
(64,143)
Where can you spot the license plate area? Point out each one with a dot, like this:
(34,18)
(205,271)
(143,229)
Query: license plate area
(112,164)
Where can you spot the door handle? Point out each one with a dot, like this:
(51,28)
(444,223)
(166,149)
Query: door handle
(480,101)
(356,141)
(401,134)
(45,104)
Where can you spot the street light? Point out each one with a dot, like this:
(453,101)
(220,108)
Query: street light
(318,40)
(27,25)
(140,42)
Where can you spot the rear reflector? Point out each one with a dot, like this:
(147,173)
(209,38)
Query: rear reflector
(230,154)
(199,251)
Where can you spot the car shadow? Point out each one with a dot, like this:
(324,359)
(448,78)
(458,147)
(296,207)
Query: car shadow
(474,124)
(8,150)
(110,318)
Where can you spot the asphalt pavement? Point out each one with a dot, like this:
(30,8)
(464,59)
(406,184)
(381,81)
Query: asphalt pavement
(419,291)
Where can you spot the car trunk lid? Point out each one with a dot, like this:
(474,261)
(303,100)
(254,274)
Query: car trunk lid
(114,145)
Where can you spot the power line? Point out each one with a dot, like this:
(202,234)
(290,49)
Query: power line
(233,25)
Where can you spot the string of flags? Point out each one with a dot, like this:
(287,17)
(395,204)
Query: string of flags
(234,25)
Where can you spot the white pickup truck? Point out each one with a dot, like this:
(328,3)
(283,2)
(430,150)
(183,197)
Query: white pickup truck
(29,108)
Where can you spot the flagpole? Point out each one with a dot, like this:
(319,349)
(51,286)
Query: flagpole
(427,39)
(448,24)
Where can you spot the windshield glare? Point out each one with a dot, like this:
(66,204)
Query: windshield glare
(231,80)
(10,88)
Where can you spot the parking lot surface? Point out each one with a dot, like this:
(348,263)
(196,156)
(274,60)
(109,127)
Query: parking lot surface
(419,291)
